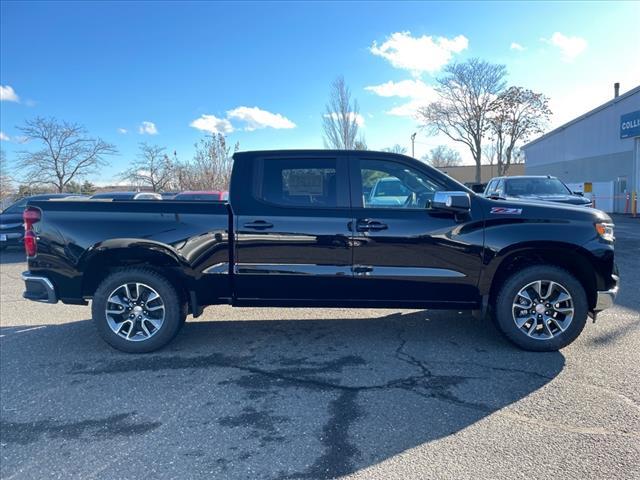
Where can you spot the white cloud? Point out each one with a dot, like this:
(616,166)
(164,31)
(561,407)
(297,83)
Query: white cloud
(4,137)
(403,88)
(419,54)
(256,118)
(122,131)
(570,47)
(8,94)
(212,124)
(358,118)
(147,128)
(516,46)
(419,93)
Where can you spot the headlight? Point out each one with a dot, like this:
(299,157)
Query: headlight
(605,230)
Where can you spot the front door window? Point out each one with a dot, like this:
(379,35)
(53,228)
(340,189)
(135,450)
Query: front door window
(395,185)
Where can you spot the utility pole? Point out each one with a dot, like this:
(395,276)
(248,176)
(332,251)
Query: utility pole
(413,144)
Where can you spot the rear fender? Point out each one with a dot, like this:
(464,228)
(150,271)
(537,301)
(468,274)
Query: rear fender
(107,256)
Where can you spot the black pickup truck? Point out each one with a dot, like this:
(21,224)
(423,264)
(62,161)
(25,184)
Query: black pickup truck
(308,228)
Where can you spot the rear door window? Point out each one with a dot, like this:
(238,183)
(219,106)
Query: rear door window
(311,183)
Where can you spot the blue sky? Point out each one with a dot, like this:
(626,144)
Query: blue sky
(261,71)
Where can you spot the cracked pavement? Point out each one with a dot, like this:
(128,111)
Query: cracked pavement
(319,393)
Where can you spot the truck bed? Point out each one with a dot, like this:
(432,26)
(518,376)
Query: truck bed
(192,237)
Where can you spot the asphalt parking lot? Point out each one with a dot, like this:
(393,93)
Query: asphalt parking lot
(312,393)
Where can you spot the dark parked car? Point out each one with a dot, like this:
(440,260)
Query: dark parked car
(529,187)
(11,223)
(203,195)
(299,232)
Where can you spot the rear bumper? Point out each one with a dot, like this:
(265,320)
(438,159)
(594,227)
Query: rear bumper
(38,289)
(10,239)
(606,298)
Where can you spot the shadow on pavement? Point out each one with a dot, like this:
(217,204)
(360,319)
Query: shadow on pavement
(255,399)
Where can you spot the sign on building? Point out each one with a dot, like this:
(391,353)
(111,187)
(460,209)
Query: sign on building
(630,125)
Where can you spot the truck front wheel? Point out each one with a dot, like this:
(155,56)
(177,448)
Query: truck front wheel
(137,310)
(541,308)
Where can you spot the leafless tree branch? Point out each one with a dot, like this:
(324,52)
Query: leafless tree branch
(66,152)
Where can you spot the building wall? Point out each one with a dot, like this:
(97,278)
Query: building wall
(589,149)
(600,168)
(467,173)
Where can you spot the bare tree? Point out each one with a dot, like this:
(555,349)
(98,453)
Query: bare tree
(489,154)
(361,144)
(467,96)
(211,165)
(67,153)
(341,117)
(152,168)
(517,156)
(6,182)
(517,115)
(443,156)
(397,148)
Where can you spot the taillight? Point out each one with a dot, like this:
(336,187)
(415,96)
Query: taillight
(30,216)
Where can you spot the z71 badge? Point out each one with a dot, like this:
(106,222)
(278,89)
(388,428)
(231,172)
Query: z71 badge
(506,211)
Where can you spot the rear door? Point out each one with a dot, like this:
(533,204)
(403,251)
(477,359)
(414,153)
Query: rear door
(405,252)
(293,241)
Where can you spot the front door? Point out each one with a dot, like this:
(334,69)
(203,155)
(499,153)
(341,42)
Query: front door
(405,252)
(293,241)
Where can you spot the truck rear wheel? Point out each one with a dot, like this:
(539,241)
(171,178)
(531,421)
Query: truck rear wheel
(137,310)
(541,308)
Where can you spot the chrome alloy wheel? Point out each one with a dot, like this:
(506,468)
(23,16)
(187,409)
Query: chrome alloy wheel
(543,309)
(135,312)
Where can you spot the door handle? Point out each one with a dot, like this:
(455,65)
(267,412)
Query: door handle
(366,225)
(258,225)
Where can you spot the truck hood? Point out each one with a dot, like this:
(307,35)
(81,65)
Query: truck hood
(526,208)
(570,199)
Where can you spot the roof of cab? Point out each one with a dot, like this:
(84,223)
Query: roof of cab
(311,153)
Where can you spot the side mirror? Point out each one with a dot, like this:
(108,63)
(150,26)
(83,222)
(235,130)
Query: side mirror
(579,193)
(452,201)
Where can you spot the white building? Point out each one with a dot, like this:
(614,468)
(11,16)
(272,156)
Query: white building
(598,151)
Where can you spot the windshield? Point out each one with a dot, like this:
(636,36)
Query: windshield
(391,188)
(17,207)
(535,186)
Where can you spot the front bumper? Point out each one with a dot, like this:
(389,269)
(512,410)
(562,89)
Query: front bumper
(606,298)
(38,289)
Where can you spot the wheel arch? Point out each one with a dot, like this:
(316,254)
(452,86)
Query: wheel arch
(572,259)
(107,258)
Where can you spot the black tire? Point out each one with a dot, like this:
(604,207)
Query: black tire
(504,315)
(175,310)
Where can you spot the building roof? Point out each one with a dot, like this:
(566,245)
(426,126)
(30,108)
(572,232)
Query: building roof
(613,101)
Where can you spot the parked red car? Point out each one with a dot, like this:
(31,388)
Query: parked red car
(203,195)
